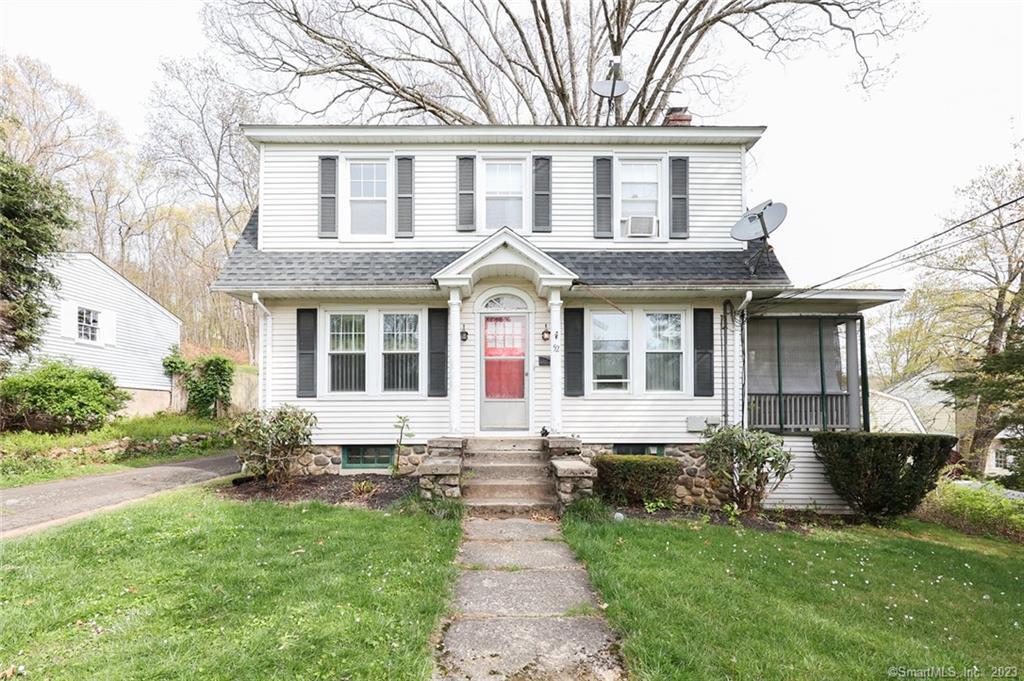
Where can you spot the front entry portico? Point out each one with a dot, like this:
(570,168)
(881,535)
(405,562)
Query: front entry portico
(507,346)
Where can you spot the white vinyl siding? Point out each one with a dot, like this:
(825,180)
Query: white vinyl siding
(132,332)
(289,197)
(806,486)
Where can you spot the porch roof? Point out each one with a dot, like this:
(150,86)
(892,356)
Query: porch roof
(249,269)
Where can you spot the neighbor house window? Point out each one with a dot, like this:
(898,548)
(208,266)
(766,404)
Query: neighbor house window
(401,352)
(367,456)
(504,194)
(609,334)
(638,198)
(368,197)
(1002,458)
(664,351)
(347,353)
(88,324)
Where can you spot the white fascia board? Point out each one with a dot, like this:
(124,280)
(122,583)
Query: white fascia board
(745,136)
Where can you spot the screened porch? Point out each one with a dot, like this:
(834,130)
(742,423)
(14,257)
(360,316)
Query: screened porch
(805,373)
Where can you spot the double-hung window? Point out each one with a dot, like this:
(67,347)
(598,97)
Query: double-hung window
(88,324)
(368,198)
(504,194)
(347,352)
(638,198)
(609,337)
(401,350)
(664,351)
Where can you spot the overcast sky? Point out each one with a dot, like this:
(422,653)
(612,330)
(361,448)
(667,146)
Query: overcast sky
(862,173)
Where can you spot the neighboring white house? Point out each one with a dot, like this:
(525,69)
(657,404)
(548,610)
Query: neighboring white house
(100,319)
(501,281)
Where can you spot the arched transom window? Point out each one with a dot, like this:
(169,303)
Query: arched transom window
(504,302)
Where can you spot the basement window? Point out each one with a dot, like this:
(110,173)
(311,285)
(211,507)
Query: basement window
(367,456)
(639,449)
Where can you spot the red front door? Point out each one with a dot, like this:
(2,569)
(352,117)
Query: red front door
(504,404)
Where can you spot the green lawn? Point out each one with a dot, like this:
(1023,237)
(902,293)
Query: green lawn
(710,602)
(190,585)
(23,460)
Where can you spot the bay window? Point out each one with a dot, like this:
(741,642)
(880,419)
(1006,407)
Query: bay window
(401,345)
(638,198)
(368,197)
(347,352)
(664,360)
(609,334)
(503,201)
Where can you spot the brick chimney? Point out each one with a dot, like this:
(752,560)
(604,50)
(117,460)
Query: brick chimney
(677,115)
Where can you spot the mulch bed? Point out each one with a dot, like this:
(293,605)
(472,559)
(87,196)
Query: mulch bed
(329,489)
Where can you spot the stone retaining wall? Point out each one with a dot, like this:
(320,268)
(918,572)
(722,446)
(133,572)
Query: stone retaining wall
(127,444)
(321,459)
(574,479)
(440,472)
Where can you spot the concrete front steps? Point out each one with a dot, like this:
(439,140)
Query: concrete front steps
(507,476)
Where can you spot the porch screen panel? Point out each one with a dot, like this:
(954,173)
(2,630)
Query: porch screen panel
(762,356)
(401,353)
(801,356)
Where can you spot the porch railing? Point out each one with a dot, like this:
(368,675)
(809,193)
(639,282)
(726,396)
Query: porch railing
(799,411)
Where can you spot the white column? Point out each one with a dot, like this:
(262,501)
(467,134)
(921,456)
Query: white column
(557,379)
(454,361)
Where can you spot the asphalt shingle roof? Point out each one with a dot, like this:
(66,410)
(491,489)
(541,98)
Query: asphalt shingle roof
(251,269)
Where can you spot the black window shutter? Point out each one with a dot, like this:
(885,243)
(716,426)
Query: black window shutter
(305,343)
(679,204)
(703,352)
(404,174)
(603,197)
(573,338)
(328,212)
(542,193)
(465,183)
(437,351)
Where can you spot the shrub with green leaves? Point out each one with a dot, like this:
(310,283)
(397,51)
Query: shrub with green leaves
(983,510)
(882,475)
(207,381)
(59,397)
(631,479)
(1014,450)
(750,463)
(270,441)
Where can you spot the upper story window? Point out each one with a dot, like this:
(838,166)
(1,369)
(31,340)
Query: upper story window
(609,337)
(368,198)
(504,194)
(88,324)
(638,198)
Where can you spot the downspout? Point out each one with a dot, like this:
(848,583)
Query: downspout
(727,318)
(864,389)
(263,364)
(741,312)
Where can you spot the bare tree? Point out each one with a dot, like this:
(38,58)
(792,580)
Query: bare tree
(46,123)
(195,134)
(519,61)
(990,268)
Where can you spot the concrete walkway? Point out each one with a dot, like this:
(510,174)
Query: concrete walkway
(31,508)
(524,609)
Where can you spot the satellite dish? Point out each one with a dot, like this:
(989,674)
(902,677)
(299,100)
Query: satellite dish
(609,88)
(757,223)
(760,221)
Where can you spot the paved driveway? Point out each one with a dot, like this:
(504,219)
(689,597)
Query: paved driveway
(33,507)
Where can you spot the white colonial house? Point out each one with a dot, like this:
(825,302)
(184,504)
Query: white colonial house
(100,319)
(498,283)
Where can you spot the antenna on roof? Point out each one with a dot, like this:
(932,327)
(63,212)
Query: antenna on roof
(613,87)
(756,224)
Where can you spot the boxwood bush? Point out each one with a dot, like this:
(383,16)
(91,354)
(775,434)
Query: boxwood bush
(58,397)
(631,479)
(881,475)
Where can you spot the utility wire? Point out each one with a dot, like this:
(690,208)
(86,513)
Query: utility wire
(886,264)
